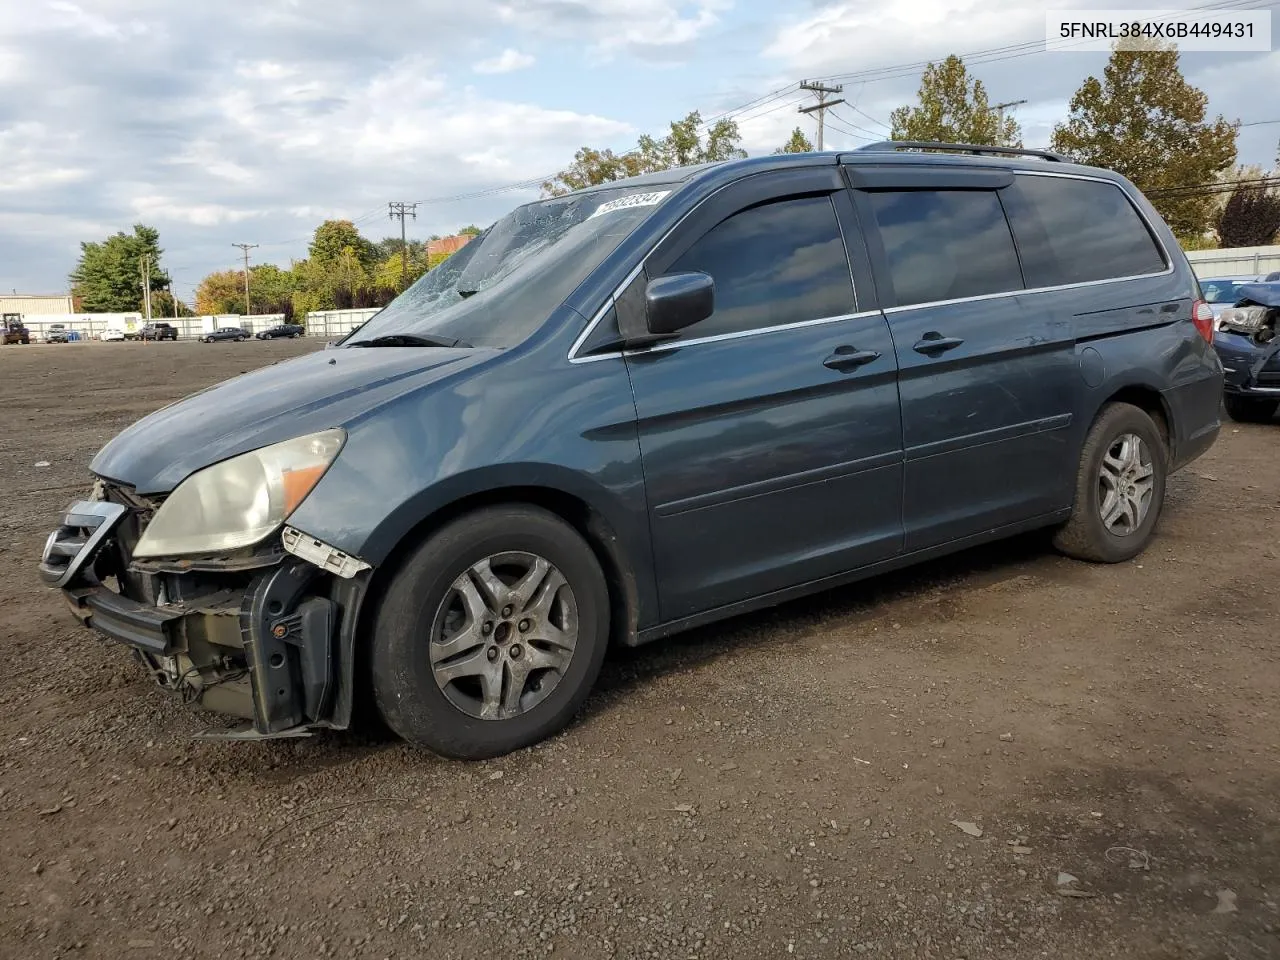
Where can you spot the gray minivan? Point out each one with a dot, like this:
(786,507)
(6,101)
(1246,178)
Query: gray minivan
(644,406)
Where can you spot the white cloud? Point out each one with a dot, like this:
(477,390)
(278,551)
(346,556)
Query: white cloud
(161,209)
(507,61)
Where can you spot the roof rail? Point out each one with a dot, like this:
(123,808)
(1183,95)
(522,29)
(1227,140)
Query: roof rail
(974,148)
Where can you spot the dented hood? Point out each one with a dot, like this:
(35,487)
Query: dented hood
(1262,294)
(330,388)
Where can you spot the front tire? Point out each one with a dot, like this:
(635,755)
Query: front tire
(491,635)
(1250,409)
(1119,488)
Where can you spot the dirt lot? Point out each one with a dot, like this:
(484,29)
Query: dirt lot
(779,785)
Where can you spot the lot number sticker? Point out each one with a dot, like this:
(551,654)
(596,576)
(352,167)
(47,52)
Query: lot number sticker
(635,200)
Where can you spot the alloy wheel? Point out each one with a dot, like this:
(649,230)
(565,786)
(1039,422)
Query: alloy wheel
(1125,484)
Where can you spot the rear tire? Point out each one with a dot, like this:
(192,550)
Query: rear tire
(491,635)
(1250,409)
(1119,488)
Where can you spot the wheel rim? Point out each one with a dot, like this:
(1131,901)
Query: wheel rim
(1126,483)
(504,635)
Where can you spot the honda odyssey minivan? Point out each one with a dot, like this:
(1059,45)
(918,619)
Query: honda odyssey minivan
(641,407)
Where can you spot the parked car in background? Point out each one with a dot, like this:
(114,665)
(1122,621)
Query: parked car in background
(1248,343)
(645,406)
(226,333)
(158,331)
(13,330)
(1271,277)
(289,330)
(57,333)
(112,334)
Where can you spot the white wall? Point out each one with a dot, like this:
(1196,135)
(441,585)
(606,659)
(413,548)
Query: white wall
(1237,261)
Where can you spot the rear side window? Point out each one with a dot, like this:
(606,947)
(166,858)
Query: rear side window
(778,263)
(945,244)
(1084,230)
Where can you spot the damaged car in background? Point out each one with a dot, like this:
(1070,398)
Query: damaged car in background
(1248,343)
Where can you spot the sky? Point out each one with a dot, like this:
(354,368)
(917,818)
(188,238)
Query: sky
(253,120)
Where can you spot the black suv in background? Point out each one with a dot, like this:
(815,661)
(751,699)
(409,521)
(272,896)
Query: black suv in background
(645,406)
(289,330)
(158,331)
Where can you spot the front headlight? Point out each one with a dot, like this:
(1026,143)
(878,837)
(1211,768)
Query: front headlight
(237,502)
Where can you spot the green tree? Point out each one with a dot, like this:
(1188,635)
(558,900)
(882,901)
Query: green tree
(108,275)
(334,236)
(953,108)
(221,292)
(796,143)
(1143,120)
(470,230)
(386,276)
(683,146)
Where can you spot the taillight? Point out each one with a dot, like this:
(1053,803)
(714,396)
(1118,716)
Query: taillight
(1202,317)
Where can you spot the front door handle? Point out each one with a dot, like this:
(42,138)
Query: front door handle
(845,358)
(933,343)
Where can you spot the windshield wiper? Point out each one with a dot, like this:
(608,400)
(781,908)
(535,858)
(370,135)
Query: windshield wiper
(409,340)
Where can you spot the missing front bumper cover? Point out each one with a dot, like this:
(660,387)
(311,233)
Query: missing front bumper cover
(327,558)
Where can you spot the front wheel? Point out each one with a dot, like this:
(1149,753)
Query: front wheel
(491,635)
(1119,488)
(1250,409)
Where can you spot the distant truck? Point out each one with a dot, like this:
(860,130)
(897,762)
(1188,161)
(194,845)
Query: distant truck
(14,329)
(158,331)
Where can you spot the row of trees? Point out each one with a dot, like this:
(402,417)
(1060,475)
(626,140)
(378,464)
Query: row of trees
(343,269)
(1141,119)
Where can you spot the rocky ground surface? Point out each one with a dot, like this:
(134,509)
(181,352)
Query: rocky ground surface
(1005,754)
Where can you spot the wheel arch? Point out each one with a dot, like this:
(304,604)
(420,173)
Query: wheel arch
(1147,398)
(590,522)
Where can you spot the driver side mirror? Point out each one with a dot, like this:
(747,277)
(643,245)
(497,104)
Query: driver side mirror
(678,300)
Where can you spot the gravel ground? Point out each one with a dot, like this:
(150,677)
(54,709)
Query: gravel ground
(809,782)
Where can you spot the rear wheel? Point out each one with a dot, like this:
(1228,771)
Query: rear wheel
(491,635)
(1250,409)
(1119,488)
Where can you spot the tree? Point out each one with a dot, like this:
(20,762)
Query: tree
(470,230)
(1251,216)
(1145,121)
(221,292)
(953,108)
(333,236)
(108,275)
(796,143)
(682,146)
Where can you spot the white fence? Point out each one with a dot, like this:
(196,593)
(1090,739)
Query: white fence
(1235,262)
(90,326)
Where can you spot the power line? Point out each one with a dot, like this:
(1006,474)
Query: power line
(245,248)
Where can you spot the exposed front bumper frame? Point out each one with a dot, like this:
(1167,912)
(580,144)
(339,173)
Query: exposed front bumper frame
(292,624)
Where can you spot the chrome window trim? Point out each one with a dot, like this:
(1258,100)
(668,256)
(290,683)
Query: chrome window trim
(608,304)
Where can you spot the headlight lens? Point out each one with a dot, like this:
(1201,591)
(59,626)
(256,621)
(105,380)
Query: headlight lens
(1244,319)
(237,502)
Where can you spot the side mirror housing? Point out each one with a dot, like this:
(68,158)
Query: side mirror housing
(678,300)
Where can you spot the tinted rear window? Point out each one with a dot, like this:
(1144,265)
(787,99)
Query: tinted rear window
(1082,230)
(946,244)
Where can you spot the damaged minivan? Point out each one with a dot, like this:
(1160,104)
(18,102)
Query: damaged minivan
(645,406)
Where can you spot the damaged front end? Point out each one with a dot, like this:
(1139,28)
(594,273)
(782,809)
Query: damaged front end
(263,633)
(1248,341)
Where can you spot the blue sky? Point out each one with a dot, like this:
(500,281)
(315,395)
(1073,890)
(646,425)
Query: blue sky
(252,121)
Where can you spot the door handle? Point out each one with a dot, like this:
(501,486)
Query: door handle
(933,343)
(845,358)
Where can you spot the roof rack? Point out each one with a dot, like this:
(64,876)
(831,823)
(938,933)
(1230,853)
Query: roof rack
(975,148)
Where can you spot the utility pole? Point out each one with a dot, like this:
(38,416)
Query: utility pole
(245,248)
(145,267)
(999,108)
(821,90)
(398,209)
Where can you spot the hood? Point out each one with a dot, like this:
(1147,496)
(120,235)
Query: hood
(321,390)
(1263,294)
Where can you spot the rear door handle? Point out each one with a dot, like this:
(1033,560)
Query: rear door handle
(934,343)
(845,358)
